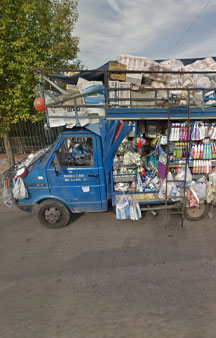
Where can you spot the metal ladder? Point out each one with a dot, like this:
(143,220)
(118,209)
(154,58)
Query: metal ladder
(182,197)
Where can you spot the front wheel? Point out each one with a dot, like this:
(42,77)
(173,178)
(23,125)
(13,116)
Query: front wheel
(53,214)
(197,213)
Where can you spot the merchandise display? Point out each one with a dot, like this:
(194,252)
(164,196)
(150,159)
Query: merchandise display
(140,163)
(135,162)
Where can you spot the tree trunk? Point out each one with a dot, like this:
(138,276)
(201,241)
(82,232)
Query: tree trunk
(8,148)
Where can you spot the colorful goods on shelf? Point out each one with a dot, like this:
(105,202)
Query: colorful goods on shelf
(140,163)
(179,132)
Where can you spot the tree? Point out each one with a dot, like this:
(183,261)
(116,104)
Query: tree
(33,34)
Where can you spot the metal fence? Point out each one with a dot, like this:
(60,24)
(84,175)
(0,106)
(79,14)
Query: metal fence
(27,137)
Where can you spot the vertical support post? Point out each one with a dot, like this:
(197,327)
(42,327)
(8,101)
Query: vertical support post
(186,159)
(76,113)
(167,164)
(106,93)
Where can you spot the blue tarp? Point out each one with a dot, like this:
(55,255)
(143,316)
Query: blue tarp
(90,76)
(111,142)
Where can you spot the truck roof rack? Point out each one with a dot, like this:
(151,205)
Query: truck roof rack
(123,100)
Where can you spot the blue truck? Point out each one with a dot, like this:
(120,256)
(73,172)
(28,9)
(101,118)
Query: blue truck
(77,174)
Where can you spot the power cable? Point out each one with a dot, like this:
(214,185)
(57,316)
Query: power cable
(189,28)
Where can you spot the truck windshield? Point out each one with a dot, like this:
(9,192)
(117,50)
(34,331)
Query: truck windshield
(45,156)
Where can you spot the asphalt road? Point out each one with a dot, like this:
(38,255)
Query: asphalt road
(101,278)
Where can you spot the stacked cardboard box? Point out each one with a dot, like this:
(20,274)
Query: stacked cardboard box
(114,65)
(119,97)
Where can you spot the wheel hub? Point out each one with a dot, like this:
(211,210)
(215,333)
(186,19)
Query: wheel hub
(196,212)
(52,215)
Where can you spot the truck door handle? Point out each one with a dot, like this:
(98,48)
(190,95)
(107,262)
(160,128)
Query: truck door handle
(92,175)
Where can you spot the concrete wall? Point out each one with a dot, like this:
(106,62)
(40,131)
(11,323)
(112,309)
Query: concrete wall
(4,163)
(4,166)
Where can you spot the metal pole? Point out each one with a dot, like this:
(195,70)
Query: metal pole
(167,164)
(186,160)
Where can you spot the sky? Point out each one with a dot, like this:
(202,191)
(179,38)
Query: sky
(158,29)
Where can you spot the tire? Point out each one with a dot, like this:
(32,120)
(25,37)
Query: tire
(53,214)
(197,213)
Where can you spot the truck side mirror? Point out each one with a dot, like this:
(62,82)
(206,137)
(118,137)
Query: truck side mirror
(56,162)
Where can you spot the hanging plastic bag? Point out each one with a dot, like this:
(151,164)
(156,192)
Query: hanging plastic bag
(172,190)
(39,91)
(139,183)
(193,191)
(212,180)
(212,176)
(198,100)
(192,202)
(200,189)
(128,158)
(137,159)
(181,176)
(7,195)
(123,208)
(151,161)
(209,193)
(161,170)
(135,212)
(162,163)
(19,189)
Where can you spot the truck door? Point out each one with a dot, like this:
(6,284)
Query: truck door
(78,181)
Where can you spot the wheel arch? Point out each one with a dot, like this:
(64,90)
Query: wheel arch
(48,197)
(54,198)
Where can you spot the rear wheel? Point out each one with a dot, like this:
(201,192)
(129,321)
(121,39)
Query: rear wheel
(53,214)
(197,213)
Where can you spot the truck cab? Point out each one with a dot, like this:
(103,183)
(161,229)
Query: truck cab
(69,177)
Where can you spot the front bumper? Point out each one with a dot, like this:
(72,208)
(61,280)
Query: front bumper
(26,208)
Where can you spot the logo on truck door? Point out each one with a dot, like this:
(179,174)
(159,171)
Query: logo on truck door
(75,178)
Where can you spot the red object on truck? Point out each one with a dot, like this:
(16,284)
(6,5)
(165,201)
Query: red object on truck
(39,104)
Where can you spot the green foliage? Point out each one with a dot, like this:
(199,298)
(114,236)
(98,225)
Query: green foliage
(33,34)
